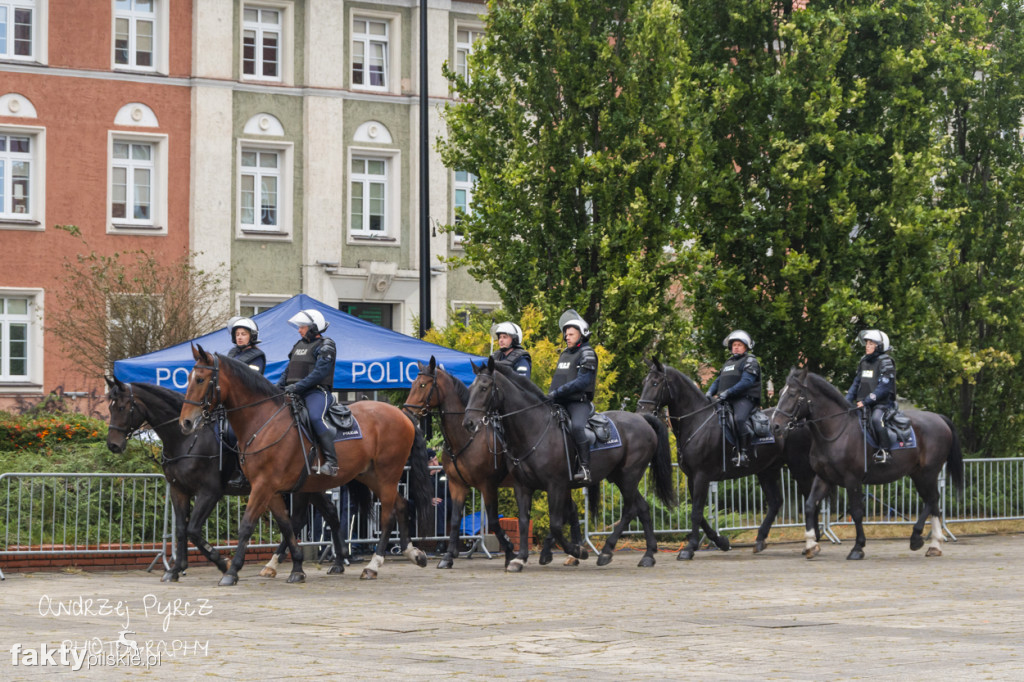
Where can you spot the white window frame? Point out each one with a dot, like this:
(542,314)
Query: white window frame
(463,49)
(393,54)
(285,62)
(34,218)
(469,187)
(33,379)
(367,40)
(392,196)
(9,28)
(157,222)
(160,16)
(286,181)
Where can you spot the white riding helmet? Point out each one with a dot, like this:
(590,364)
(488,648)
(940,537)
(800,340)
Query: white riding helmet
(739,335)
(512,329)
(309,318)
(245,323)
(571,318)
(878,336)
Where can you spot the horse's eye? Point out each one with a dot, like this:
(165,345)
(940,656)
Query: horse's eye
(199,380)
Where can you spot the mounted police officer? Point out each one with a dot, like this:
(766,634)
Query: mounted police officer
(874,386)
(574,382)
(739,383)
(510,349)
(310,375)
(245,334)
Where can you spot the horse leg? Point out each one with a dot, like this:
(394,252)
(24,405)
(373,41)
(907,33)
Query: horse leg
(575,531)
(409,550)
(490,495)
(201,510)
(524,498)
(557,506)
(280,512)
(818,490)
(457,493)
(771,484)
(720,541)
(928,489)
(259,498)
(329,511)
(386,525)
(629,508)
(855,495)
(698,484)
(644,512)
(938,537)
(298,522)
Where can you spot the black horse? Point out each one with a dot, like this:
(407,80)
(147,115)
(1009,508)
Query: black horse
(699,444)
(195,466)
(838,455)
(538,451)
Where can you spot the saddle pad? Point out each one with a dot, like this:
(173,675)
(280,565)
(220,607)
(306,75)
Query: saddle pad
(730,438)
(909,444)
(355,433)
(614,440)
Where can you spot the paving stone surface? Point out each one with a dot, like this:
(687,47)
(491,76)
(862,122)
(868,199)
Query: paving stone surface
(722,616)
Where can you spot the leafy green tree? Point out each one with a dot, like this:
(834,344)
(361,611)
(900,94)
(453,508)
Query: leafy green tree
(578,125)
(816,218)
(969,365)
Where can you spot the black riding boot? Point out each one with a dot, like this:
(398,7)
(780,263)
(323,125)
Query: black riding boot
(742,448)
(583,474)
(326,441)
(238,481)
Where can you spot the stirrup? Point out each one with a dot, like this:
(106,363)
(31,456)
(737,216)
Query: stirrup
(741,459)
(582,475)
(882,456)
(327,469)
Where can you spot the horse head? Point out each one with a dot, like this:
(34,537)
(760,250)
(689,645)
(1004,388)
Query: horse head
(423,396)
(203,391)
(794,404)
(482,395)
(125,415)
(655,390)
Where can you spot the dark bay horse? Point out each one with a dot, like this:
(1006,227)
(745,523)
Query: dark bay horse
(272,451)
(699,452)
(838,455)
(470,461)
(193,468)
(537,454)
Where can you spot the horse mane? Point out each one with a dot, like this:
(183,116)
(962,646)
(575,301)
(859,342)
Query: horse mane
(169,402)
(825,386)
(519,380)
(686,380)
(251,380)
(461,389)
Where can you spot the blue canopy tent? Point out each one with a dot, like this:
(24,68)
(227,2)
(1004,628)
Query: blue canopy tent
(369,357)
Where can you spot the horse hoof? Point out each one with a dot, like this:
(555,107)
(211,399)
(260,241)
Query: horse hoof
(571,561)
(723,544)
(812,552)
(916,542)
(684,554)
(604,559)
(584,554)
(545,558)
(855,554)
(514,566)
(367,574)
(297,578)
(759,546)
(336,569)
(446,562)
(268,573)
(646,562)
(420,558)
(169,577)
(933,551)
(228,581)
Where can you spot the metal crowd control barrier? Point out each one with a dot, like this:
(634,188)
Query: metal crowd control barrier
(54,514)
(89,514)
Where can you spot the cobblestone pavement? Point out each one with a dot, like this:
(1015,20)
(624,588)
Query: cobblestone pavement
(895,615)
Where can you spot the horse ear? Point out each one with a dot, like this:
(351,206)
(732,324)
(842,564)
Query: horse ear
(490,364)
(195,352)
(111,381)
(657,365)
(203,355)
(476,370)
(433,364)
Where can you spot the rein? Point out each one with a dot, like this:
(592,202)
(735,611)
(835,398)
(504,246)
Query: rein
(794,421)
(492,416)
(425,408)
(659,402)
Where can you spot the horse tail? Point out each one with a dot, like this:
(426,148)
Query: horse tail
(421,487)
(955,460)
(361,495)
(661,464)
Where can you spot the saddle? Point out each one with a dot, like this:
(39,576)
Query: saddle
(338,416)
(758,423)
(601,432)
(900,431)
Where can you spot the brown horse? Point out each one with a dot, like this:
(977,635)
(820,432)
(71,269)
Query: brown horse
(272,451)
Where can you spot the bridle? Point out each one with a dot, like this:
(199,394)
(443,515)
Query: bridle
(133,408)
(803,404)
(661,400)
(214,385)
(423,409)
(493,418)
